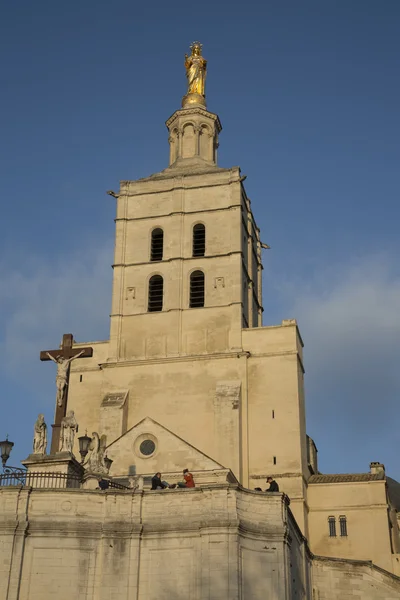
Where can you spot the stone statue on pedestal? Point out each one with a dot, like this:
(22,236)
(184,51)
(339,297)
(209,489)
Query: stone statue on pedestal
(40,436)
(94,462)
(196,68)
(69,427)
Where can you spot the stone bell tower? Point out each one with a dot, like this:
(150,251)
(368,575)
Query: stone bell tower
(185,239)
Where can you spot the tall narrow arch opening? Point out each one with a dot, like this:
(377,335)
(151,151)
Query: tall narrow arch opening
(199,240)
(196,289)
(157,245)
(156,294)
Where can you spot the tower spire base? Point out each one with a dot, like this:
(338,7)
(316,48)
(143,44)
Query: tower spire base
(193,100)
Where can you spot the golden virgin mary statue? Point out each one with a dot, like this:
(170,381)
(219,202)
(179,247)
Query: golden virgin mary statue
(195,66)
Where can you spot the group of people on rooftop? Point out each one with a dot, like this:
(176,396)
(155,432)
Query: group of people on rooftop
(157,482)
(188,481)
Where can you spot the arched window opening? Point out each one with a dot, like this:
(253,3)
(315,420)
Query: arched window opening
(156,292)
(196,289)
(157,243)
(199,240)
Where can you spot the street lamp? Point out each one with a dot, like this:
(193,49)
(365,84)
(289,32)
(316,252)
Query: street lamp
(16,472)
(108,463)
(5,449)
(84,442)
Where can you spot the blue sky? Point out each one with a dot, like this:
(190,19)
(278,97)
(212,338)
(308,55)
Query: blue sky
(308,95)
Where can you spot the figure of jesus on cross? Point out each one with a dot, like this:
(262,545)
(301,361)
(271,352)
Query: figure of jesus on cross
(62,373)
(63,358)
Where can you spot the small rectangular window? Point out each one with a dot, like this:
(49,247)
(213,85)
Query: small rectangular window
(273,414)
(80,378)
(343,526)
(274,460)
(332,526)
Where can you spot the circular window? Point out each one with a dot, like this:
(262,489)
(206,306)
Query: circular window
(147,447)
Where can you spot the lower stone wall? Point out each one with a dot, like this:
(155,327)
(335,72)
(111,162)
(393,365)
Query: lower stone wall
(345,579)
(217,542)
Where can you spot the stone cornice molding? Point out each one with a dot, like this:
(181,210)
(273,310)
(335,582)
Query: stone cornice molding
(176,174)
(195,111)
(174,258)
(184,358)
(177,309)
(178,213)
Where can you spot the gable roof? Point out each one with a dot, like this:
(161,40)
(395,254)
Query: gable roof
(169,431)
(170,453)
(345,477)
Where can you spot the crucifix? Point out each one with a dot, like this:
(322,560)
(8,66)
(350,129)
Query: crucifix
(63,358)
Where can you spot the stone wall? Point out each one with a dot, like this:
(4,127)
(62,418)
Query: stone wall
(336,578)
(364,505)
(217,541)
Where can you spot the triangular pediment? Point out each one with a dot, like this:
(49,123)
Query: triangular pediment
(149,447)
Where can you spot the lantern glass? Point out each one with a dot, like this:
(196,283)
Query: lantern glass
(5,450)
(84,442)
(108,462)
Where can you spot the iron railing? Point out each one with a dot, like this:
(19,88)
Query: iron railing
(40,480)
(118,486)
(48,480)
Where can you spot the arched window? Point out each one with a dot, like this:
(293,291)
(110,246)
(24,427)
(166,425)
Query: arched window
(196,289)
(157,243)
(156,292)
(199,240)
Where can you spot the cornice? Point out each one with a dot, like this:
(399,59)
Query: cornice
(180,179)
(175,258)
(171,359)
(183,112)
(179,213)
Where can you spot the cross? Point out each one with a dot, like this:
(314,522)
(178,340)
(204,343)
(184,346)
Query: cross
(63,358)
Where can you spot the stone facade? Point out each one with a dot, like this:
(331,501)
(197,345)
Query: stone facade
(218,541)
(363,504)
(335,578)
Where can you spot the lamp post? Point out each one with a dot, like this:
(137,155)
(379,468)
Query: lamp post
(84,442)
(108,463)
(5,451)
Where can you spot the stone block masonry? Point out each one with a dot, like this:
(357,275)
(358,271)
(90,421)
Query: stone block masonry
(217,541)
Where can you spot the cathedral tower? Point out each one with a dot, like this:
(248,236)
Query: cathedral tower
(187,349)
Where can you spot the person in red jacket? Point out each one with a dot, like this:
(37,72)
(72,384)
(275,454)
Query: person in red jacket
(189,481)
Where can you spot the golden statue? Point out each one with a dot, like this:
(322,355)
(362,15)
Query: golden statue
(195,66)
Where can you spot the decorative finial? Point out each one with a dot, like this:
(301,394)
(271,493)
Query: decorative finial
(195,66)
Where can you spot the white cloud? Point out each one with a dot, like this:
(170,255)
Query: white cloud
(42,298)
(352,318)
(349,317)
